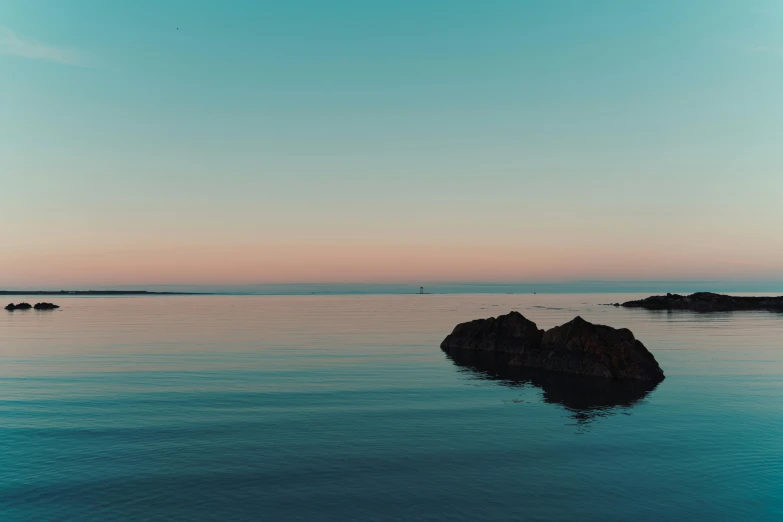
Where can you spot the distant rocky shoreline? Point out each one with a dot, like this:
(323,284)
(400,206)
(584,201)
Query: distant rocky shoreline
(706,302)
(577,347)
(94,292)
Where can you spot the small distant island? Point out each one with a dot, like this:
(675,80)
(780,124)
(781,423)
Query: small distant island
(706,302)
(93,292)
(26,306)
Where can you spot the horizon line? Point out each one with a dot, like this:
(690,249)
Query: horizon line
(455,287)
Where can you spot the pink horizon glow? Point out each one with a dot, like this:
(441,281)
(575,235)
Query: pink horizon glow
(358,264)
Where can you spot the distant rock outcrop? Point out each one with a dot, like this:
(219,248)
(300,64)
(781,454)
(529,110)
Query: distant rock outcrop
(26,306)
(577,347)
(21,306)
(707,302)
(45,306)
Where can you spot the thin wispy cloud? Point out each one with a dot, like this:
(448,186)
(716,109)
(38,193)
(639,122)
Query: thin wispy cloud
(13,45)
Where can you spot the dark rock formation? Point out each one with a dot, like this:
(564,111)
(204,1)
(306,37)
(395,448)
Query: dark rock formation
(707,302)
(577,347)
(511,334)
(45,306)
(591,349)
(21,306)
(586,398)
(26,306)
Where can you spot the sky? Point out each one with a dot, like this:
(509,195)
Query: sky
(206,143)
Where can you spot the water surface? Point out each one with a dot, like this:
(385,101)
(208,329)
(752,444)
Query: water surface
(344,408)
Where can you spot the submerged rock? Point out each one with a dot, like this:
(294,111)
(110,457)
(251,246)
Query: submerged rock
(45,306)
(577,347)
(707,302)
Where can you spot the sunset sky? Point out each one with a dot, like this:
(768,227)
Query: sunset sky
(188,142)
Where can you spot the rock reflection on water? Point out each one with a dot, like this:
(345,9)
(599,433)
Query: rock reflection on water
(586,398)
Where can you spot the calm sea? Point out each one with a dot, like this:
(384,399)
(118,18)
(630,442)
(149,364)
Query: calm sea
(344,408)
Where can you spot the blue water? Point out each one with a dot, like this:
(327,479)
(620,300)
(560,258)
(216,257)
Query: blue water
(344,408)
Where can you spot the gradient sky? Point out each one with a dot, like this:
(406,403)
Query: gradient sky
(389,141)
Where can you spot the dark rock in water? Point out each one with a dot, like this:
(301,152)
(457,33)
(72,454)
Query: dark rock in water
(45,306)
(511,333)
(577,347)
(21,306)
(585,348)
(707,302)
(26,306)
(585,397)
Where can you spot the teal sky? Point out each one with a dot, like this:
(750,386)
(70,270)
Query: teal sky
(188,142)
